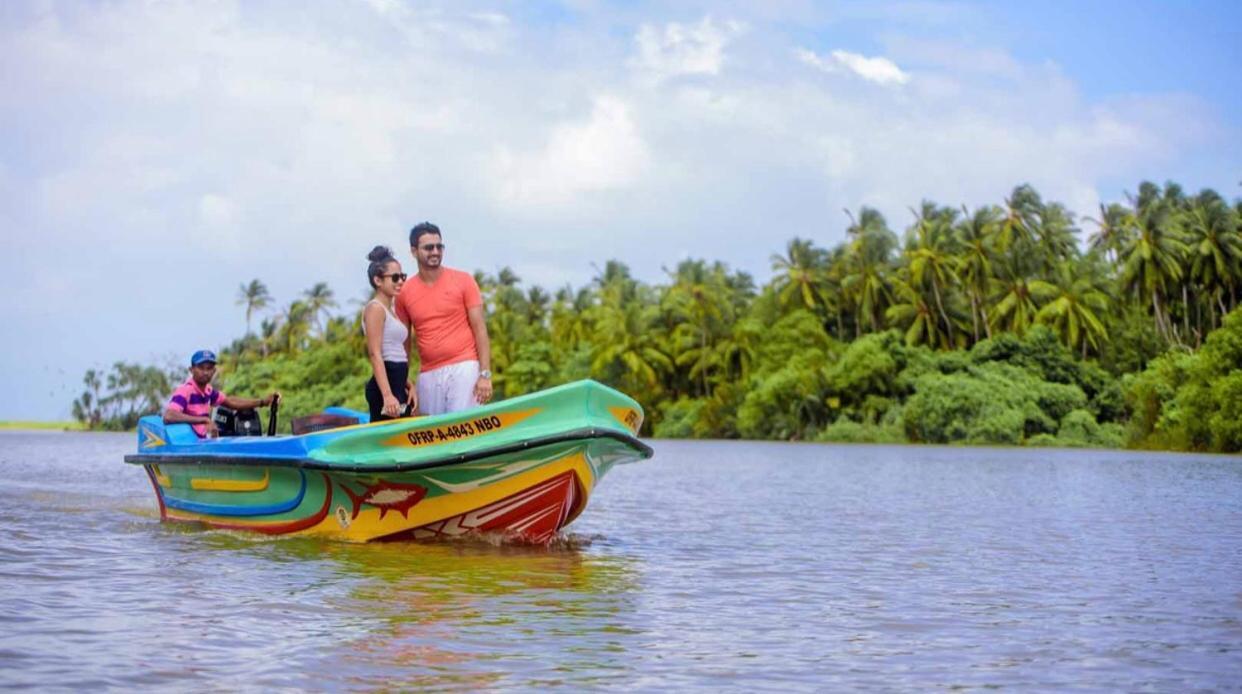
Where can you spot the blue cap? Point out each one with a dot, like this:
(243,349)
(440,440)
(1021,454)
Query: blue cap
(201,356)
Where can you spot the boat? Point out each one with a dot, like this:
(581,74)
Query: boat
(520,469)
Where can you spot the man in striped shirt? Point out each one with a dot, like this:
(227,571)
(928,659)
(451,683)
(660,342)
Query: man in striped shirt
(192,401)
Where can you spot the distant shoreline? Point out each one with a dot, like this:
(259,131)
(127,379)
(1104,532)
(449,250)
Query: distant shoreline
(30,425)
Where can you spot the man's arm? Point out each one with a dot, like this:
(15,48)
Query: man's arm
(174,416)
(248,403)
(482,344)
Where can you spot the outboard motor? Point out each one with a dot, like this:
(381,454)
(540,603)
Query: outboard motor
(232,422)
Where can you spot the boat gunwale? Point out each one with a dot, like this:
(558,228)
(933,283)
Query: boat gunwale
(204,458)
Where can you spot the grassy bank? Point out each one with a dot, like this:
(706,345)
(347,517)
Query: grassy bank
(29,425)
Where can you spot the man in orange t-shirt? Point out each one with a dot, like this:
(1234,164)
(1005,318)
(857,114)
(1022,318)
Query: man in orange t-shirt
(444,309)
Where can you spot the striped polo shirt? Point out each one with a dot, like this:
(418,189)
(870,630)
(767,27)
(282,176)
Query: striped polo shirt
(189,399)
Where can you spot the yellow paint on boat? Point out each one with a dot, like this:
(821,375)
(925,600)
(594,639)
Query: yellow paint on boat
(160,477)
(150,439)
(630,417)
(218,485)
(458,431)
(368,525)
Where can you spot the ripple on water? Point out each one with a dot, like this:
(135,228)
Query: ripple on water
(722,565)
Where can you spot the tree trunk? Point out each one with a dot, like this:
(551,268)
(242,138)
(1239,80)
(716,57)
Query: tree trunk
(948,329)
(1185,309)
(1160,324)
(974,315)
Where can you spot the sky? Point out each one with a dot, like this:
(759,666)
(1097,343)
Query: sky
(156,155)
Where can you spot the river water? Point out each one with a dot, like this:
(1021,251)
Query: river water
(721,565)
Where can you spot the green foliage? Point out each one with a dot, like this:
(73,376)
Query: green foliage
(679,418)
(333,373)
(1192,401)
(787,396)
(869,366)
(848,431)
(787,404)
(1148,392)
(987,326)
(115,400)
(990,403)
(531,371)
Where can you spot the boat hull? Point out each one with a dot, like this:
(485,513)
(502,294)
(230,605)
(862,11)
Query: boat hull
(523,488)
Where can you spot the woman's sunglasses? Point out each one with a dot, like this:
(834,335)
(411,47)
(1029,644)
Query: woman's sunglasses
(396,276)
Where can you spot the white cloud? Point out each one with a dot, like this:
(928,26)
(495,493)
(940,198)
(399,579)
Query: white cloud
(128,128)
(681,49)
(880,70)
(218,218)
(606,152)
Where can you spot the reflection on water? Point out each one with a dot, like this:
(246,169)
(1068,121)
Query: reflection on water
(716,565)
(417,615)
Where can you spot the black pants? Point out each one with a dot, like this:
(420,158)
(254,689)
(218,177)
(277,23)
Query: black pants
(398,372)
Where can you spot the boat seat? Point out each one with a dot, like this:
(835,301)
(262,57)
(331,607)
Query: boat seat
(181,434)
(320,422)
(152,429)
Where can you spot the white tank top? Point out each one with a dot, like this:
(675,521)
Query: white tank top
(392,344)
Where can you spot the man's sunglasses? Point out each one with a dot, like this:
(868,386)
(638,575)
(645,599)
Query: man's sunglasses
(429,247)
(396,276)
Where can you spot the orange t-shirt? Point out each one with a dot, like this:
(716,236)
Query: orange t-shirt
(437,312)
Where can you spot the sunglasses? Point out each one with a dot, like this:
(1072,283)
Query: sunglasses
(429,247)
(396,276)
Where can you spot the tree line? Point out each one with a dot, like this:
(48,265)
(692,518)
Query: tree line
(991,309)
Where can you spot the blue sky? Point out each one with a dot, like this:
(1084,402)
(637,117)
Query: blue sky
(154,156)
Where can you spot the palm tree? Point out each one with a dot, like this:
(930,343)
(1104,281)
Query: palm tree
(269,329)
(1110,236)
(866,282)
(1017,226)
(255,297)
(1075,311)
(697,303)
(800,277)
(1215,251)
(1056,236)
(296,326)
(1150,259)
(319,299)
(976,240)
(627,345)
(929,255)
(570,321)
(537,301)
(736,350)
(1018,296)
(917,315)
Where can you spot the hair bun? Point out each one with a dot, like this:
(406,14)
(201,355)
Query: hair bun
(379,253)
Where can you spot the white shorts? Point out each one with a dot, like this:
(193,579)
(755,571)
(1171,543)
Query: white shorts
(448,388)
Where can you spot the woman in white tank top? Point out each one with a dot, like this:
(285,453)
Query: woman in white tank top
(389,392)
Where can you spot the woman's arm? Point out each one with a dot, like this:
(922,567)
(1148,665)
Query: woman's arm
(373,316)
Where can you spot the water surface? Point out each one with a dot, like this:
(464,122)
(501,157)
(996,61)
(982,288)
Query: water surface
(715,565)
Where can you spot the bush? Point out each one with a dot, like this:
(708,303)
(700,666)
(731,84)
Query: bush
(991,403)
(1150,397)
(786,404)
(678,419)
(1207,411)
(1078,428)
(848,431)
(1044,441)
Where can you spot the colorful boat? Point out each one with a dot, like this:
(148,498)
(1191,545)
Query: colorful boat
(522,468)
